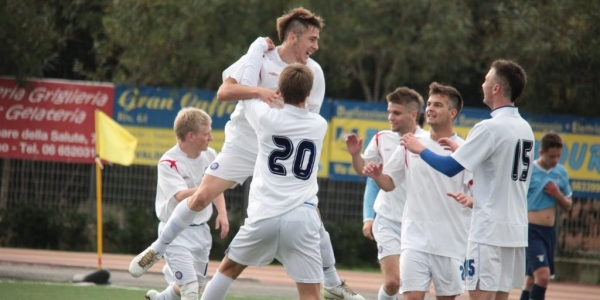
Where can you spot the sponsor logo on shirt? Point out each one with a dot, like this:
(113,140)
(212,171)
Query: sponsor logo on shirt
(214,166)
(273,73)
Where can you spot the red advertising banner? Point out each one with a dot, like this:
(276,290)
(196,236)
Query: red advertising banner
(51,120)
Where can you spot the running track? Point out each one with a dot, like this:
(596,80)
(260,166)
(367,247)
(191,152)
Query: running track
(269,275)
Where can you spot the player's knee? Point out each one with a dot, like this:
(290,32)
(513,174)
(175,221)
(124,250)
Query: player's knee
(392,286)
(541,277)
(542,281)
(199,200)
(190,291)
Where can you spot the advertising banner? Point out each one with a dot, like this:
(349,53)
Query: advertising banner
(51,120)
(581,137)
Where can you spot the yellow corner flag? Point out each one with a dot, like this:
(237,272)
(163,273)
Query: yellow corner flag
(113,142)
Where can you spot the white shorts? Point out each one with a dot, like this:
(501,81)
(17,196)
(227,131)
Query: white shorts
(292,238)
(387,234)
(232,164)
(187,255)
(496,269)
(418,269)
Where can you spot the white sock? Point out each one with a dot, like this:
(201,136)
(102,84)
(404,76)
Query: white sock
(180,219)
(330,275)
(168,294)
(384,296)
(217,288)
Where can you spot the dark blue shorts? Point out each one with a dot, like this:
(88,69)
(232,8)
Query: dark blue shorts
(540,251)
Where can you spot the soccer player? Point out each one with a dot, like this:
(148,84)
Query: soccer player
(282,219)
(255,76)
(498,152)
(434,228)
(180,171)
(404,108)
(549,187)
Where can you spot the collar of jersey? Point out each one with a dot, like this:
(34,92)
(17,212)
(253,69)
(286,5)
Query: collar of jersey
(507,109)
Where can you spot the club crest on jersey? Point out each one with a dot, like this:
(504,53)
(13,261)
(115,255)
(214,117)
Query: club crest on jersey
(178,275)
(214,166)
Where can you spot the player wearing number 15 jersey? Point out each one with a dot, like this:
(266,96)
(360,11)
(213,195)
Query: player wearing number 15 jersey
(282,221)
(499,153)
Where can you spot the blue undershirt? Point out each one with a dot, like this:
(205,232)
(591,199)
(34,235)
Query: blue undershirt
(371,191)
(443,163)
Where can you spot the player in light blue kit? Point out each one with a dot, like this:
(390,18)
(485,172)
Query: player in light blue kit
(549,187)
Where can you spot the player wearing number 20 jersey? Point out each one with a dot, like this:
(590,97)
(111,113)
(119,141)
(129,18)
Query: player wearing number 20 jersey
(289,143)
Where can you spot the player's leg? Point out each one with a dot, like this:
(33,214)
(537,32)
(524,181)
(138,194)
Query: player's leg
(171,292)
(446,274)
(496,271)
(254,245)
(387,234)
(540,256)
(298,249)
(415,271)
(230,167)
(332,284)
(218,287)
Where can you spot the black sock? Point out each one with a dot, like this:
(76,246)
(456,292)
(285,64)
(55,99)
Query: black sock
(524,295)
(537,292)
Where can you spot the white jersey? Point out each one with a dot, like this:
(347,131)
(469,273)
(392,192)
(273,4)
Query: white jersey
(290,141)
(432,221)
(237,131)
(499,152)
(379,150)
(177,172)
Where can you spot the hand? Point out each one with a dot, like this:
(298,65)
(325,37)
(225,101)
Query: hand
(373,170)
(353,144)
(269,96)
(223,223)
(552,189)
(460,197)
(412,143)
(270,43)
(368,229)
(448,144)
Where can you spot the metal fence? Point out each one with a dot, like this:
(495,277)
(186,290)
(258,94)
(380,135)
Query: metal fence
(60,186)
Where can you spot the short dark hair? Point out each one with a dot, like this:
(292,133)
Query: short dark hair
(295,83)
(551,140)
(511,77)
(454,97)
(407,97)
(298,21)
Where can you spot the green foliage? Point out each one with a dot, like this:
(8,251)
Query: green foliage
(29,226)
(351,248)
(368,47)
(129,229)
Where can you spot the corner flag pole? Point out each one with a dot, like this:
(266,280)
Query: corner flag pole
(99,209)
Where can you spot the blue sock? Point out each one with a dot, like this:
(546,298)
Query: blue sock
(537,292)
(524,295)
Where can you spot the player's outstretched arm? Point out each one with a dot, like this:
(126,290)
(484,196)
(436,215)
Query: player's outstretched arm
(354,146)
(448,144)
(384,181)
(222,222)
(240,81)
(444,164)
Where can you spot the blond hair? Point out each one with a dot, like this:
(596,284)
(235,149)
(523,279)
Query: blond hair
(190,119)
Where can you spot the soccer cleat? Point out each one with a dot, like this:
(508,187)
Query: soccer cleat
(142,262)
(341,292)
(151,295)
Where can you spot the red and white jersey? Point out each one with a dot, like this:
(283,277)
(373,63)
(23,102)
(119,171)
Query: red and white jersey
(499,152)
(177,172)
(237,131)
(432,222)
(379,150)
(290,141)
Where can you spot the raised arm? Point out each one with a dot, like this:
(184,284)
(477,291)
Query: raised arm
(240,81)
